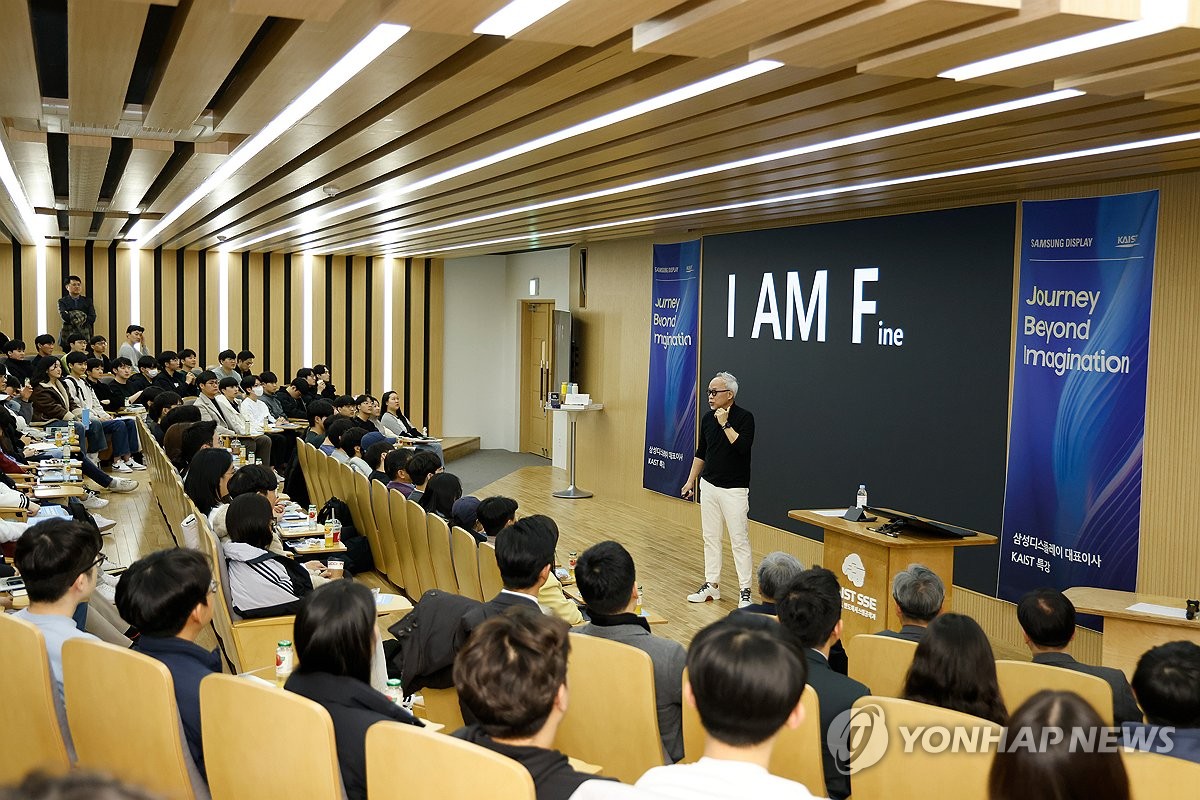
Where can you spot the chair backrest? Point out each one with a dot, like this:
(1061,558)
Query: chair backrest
(323,465)
(464,550)
(343,484)
(141,744)
(420,545)
(443,767)
(611,718)
(441,705)
(33,739)
(437,532)
(1021,680)
(901,775)
(387,541)
(489,571)
(260,741)
(797,753)
(880,662)
(305,452)
(1153,776)
(364,511)
(398,505)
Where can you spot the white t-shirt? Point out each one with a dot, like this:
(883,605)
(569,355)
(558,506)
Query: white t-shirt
(715,779)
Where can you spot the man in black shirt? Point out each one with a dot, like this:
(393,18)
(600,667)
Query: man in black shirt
(722,465)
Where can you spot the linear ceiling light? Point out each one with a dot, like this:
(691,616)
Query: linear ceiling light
(359,56)
(672,97)
(816,147)
(401,252)
(16,194)
(517,16)
(1157,16)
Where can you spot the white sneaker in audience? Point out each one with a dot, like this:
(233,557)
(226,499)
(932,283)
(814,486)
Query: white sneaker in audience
(120,466)
(103,522)
(704,594)
(92,501)
(122,485)
(135,465)
(106,586)
(744,600)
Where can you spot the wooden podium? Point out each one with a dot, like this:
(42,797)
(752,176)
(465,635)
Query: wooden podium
(1129,634)
(865,563)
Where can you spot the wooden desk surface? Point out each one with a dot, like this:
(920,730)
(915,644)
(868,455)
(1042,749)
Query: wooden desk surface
(859,529)
(57,491)
(1113,603)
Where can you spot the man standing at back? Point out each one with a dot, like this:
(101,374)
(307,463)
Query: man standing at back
(76,310)
(607,580)
(810,609)
(1047,619)
(722,465)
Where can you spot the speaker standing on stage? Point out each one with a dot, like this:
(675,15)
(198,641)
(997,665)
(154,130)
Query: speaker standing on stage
(722,465)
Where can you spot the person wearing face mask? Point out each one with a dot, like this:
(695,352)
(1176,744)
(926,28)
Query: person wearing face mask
(147,372)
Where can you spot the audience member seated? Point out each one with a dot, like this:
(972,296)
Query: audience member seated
(60,561)
(421,467)
(810,609)
(122,382)
(393,422)
(216,403)
(323,379)
(172,377)
(16,397)
(395,465)
(550,597)
(375,456)
(98,349)
(954,668)
(511,677)
(43,347)
(350,446)
(245,363)
(174,424)
(332,444)
(226,366)
(121,432)
(293,401)
(745,680)
(465,514)
(147,371)
(132,347)
(442,491)
(318,414)
(1057,767)
(364,409)
(162,404)
(189,361)
(344,406)
(54,402)
(1047,620)
(1167,685)
(272,396)
(496,514)
(16,365)
(918,593)
(76,343)
(775,572)
(607,580)
(335,640)
(168,596)
(525,556)
(261,583)
(207,481)
(111,401)
(256,412)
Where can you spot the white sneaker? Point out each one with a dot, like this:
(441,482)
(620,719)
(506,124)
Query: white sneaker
(93,501)
(104,523)
(705,593)
(122,485)
(744,600)
(137,466)
(120,466)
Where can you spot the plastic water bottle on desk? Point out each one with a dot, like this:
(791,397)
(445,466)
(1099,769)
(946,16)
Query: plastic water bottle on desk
(284,661)
(312,517)
(861,500)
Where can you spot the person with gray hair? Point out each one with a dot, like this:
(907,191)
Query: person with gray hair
(722,467)
(775,572)
(918,593)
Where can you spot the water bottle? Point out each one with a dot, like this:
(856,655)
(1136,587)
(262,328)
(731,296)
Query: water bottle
(87,418)
(862,495)
(394,691)
(284,661)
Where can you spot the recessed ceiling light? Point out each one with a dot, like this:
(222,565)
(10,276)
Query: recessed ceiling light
(371,47)
(1158,16)
(517,16)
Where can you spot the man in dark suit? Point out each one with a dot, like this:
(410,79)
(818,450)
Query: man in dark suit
(918,593)
(1047,618)
(810,609)
(525,556)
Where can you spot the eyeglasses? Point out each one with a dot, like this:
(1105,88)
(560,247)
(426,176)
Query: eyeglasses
(100,559)
(212,587)
(715,392)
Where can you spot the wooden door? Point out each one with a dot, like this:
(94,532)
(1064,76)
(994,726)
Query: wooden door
(537,344)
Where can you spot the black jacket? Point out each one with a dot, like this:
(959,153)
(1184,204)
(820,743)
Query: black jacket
(492,608)
(353,706)
(1125,706)
(553,776)
(427,639)
(837,693)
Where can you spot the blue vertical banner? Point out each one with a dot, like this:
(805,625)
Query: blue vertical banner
(1072,501)
(671,401)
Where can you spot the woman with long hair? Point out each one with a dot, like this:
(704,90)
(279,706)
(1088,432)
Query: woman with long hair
(954,668)
(440,493)
(207,481)
(336,640)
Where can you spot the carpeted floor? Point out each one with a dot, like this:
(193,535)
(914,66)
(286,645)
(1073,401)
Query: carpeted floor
(485,466)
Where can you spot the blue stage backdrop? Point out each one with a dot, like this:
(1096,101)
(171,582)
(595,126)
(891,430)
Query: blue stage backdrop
(1072,503)
(674,350)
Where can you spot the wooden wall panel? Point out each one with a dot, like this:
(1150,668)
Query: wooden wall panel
(9,297)
(416,356)
(615,346)
(436,311)
(322,309)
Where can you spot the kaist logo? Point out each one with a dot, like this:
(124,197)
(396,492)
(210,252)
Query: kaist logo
(1128,240)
